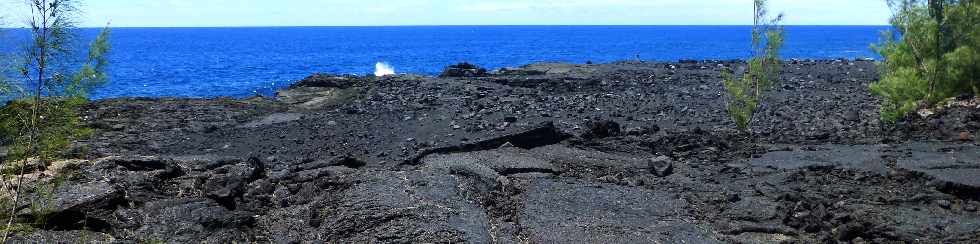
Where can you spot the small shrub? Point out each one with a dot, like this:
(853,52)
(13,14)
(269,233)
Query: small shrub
(41,121)
(19,229)
(742,102)
(746,93)
(42,206)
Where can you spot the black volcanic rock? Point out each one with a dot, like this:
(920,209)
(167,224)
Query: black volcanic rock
(603,129)
(661,166)
(464,70)
(328,81)
(421,159)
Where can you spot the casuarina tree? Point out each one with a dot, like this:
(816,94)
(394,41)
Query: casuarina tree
(932,54)
(51,80)
(745,93)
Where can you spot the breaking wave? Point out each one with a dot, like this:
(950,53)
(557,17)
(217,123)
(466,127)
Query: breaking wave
(383,69)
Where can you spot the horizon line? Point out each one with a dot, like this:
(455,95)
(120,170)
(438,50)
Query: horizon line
(475,25)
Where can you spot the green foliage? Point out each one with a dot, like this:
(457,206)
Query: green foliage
(93,72)
(41,121)
(933,54)
(58,127)
(6,67)
(746,93)
(58,122)
(43,205)
(19,229)
(742,100)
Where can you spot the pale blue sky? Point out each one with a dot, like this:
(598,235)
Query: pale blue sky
(128,13)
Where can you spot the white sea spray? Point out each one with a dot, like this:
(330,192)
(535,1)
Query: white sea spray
(383,69)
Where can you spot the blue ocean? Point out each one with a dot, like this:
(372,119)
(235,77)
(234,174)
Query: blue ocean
(238,62)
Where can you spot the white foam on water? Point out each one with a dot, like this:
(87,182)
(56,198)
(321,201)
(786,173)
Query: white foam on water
(383,69)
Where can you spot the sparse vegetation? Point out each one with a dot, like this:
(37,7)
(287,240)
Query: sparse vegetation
(40,204)
(40,121)
(932,54)
(5,65)
(746,93)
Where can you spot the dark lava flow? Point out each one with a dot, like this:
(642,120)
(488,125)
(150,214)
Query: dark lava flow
(546,153)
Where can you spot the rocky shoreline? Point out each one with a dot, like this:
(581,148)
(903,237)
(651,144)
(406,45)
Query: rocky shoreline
(628,152)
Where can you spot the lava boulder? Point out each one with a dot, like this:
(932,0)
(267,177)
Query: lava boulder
(327,80)
(464,70)
(602,129)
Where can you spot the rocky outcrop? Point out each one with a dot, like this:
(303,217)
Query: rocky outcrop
(463,70)
(330,81)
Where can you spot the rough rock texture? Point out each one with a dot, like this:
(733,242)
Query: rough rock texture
(464,70)
(546,153)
